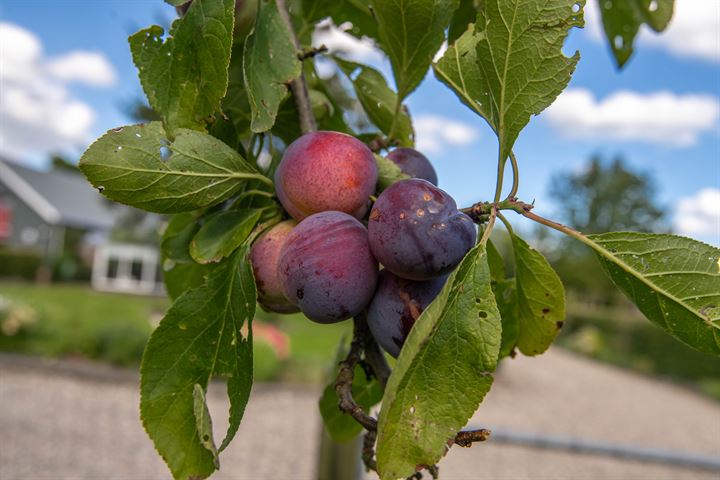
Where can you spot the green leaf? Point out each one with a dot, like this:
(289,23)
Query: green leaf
(506,298)
(378,101)
(199,337)
(138,165)
(356,12)
(180,277)
(443,371)
(366,393)
(175,243)
(411,32)
(463,18)
(674,281)
(203,422)
(622,20)
(269,64)
(512,66)
(496,262)
(222,234)
(388,173)
(540,299)
(177,3)
(185,76)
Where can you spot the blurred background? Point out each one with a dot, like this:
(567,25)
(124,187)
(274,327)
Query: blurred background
(81,280)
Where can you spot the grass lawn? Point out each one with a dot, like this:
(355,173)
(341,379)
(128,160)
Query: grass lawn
(74,320)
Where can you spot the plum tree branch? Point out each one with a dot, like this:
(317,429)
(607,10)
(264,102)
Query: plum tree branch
(363,344)
(298,85)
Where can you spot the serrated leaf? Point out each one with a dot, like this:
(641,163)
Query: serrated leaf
(185,76)
(203,422)
(138,165)
(540,299)
(341,426)
(175,242)
(388,173)
(199,337)
(674,281)
(622,20)
(378,101)
(512,66)
(270,63)
(411,32)
(222,233)
(443,371)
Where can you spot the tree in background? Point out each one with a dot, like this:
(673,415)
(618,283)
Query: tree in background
(607,196)
(604,196)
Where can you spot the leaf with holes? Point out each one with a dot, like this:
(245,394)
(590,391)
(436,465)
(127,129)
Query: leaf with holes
(411,32)
(512,65)
(378,101)
(622,20)
(270,63)
(443,371)
(138,165)
(222,233)
(185,76)
(200,337)
(540,299)
(674,281)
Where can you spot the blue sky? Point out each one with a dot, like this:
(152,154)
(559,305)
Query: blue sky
(67,75)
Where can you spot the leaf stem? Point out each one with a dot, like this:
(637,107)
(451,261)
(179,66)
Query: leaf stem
(500,174)
(516,176)
(506,223)
(298,85)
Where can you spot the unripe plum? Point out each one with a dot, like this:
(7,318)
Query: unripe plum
(326,267)
(323,171)
(264,256)
(413,163)
(417,232)
(395,307)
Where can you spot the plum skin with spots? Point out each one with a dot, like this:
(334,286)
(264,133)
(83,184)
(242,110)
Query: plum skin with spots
(414,164)
(264,257)
(396,306)
(326,267)
(323,171)
(417,232)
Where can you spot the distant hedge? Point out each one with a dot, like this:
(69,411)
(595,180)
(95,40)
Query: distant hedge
(19,264)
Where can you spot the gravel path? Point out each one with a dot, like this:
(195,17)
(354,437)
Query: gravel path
(68,420)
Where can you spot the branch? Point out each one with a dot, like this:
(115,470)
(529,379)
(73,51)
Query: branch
(346,375)
(298,86)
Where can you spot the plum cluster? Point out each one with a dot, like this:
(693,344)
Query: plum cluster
(325,262)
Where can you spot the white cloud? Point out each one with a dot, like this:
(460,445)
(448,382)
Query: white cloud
(80,66)
(435,133)
(38,114)
(699,215)
(694,30)
(662,118)
(346,45)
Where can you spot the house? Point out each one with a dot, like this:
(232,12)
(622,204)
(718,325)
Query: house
(56,213)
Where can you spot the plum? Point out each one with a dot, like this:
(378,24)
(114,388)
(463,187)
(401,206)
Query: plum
(323,171)
(326,267)
(395,307)
(417,232)
(413,163)
(264,256)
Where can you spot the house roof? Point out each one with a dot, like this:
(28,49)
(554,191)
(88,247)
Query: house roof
(58,197)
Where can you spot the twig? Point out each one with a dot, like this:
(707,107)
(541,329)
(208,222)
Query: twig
(313,51)
(298,86)
(346,375)
(368,450)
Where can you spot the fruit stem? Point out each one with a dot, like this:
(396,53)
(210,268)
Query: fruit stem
(516,175)
(298,85)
